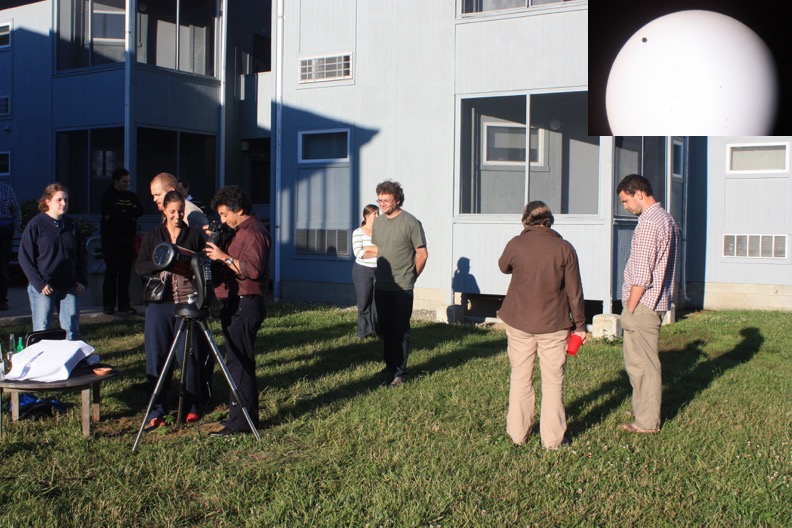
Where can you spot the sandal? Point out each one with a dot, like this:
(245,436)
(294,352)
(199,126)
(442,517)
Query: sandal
(633,427)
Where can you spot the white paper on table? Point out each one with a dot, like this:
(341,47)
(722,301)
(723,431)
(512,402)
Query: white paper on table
(48,360)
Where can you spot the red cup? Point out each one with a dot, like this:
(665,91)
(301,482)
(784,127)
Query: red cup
(574,344)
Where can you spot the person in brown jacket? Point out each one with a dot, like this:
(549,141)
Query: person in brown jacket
(543,306)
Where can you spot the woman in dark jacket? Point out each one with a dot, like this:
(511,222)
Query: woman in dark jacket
(52,257)
(161,324)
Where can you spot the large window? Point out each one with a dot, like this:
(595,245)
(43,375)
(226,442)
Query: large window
(91,32)
(508,158)
(179,153)
(644,155)
(178,34)
(85,163)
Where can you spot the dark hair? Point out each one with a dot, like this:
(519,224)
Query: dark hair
(172,196)
(537,213)
(184,182)
(393,188)
(370,208)
(632,183)
(49,192)
(119,173)
(233,197)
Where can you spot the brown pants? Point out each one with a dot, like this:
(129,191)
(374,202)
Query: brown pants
(523,349)
(642,363)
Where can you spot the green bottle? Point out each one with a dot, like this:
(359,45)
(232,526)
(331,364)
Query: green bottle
(20,347)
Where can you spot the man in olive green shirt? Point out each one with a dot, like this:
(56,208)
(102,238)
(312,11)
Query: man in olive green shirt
(401,257)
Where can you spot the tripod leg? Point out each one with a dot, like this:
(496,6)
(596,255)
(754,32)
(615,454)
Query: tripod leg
(160,381)
(231,385)
(188,351)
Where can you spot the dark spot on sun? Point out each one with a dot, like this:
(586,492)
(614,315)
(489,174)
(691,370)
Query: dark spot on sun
(643,39)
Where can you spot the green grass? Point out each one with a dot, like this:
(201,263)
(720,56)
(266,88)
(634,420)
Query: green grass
(338,450)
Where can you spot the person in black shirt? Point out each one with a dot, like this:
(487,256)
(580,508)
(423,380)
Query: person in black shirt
(120,211)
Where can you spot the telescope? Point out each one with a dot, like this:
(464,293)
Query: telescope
(190,264)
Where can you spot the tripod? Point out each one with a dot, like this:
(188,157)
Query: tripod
(189,315)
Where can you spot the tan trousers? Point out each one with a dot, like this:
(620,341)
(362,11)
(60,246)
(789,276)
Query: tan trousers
(523,349)
(642,363)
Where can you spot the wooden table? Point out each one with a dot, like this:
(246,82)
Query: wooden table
(85,381)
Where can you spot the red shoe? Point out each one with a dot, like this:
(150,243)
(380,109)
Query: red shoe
(154,423)
(192,418)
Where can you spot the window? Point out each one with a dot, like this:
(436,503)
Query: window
(758,158)
(478,6)
(496,140)
(185,44)
(755,246)
(5,105)
(5,164)
(504,144)
(92,32)
(644,155)
(326,69)
(86,160)
(5,35)
(323,146)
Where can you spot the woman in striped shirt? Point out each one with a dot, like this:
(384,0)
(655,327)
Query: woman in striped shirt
(363,273)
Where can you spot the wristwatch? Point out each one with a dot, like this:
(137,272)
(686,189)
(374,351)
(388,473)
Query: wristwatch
(229,261)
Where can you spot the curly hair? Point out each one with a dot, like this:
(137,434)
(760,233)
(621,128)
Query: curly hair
(393,188)
(233,197)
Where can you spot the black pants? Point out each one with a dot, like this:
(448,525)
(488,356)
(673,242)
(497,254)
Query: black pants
(395,309)
(6,245)
(241,320)
(119,255)
(363,279)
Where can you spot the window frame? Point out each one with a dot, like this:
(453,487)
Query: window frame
(541,147)
(731,146)
(748,236)
(302,133)
(10,32)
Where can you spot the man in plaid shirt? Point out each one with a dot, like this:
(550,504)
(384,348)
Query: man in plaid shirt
(646,296)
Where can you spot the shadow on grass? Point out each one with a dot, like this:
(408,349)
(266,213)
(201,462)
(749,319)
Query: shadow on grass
(682,384)
(329,361)
(685,375)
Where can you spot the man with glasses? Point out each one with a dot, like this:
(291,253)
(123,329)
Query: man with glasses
(401,257)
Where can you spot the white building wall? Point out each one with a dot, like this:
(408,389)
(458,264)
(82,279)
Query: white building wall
(751,204)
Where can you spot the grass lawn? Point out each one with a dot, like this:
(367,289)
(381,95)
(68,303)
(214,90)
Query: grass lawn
(338,450)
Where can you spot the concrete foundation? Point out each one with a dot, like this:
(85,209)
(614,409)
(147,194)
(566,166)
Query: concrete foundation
(606,326)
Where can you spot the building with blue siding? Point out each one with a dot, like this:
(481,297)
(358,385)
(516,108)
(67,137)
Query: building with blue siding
(156,86)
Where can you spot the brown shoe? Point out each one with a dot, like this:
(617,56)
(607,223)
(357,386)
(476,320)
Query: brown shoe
(633,427)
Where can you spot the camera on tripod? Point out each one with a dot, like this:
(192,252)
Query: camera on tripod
(194,265)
